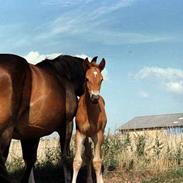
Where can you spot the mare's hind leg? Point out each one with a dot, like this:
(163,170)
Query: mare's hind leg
(29,150)
(65,138)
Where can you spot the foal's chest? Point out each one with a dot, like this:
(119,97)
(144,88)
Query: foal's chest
(90,119)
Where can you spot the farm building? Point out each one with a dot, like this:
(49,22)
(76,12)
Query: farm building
(170,122)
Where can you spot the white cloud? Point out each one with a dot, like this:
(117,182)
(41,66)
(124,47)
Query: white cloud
(158,72)
(175,87)
(106,8)
(91,25)
(77,26)
(35,57)
(64,3)
(75,22)
(170,78)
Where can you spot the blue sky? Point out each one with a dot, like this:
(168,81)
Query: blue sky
(141,40)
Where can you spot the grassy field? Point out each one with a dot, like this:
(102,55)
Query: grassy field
(144,157)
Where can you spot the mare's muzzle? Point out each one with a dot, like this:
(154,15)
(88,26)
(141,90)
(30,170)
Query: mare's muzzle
(94,98)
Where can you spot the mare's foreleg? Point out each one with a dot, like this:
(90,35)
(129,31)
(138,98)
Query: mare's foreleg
(77,159)
(29,150)
(5,140)
(97,160)
(65,138)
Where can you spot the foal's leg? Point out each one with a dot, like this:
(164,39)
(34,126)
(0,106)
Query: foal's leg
(29,150)
(65,138)
(77,159)
(97,160)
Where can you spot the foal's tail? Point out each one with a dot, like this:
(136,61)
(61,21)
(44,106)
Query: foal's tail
(88,159)
(88,150)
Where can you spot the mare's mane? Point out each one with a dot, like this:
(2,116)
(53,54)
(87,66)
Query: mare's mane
(69,67)
(65,65)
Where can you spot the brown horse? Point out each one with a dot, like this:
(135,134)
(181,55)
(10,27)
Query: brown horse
(91,118)
(36,100)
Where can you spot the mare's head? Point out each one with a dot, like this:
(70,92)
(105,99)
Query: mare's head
(93,78)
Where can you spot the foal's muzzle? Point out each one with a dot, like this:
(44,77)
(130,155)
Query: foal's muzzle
(94,98)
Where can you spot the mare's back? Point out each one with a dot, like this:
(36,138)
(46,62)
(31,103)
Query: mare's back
(10,59)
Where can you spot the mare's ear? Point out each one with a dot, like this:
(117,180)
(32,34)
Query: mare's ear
(102,64)
(86,64)
(94,60)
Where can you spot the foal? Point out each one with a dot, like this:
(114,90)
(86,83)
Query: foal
(91,118)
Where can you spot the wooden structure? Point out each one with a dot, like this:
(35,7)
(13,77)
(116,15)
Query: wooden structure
(154,122)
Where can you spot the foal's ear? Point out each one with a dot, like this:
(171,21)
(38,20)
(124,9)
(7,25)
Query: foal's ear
(86,64)
(94,60)
(102,64)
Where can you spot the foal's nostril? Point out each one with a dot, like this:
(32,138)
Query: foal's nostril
(96,97)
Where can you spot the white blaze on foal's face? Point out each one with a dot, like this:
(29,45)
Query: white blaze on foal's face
(95,73)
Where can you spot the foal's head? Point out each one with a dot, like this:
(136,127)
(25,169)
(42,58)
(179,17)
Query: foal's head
(93,78)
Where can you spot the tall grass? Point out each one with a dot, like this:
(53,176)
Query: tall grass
(48,154)
(154,151)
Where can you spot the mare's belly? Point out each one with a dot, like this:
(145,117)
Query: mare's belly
(44,117)
(46,112)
